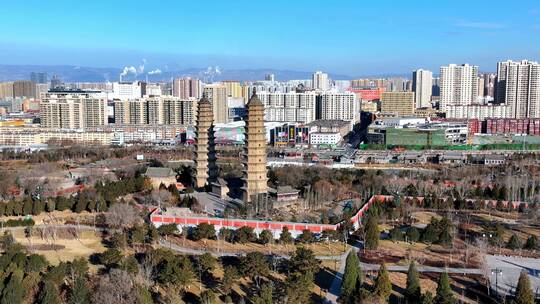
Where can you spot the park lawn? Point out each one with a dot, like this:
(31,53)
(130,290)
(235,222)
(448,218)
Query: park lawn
(530,231)
(87,244)
(424,217)
(508,219)
(419,252)
(321,249)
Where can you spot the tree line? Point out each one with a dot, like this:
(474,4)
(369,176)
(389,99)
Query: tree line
(100,198)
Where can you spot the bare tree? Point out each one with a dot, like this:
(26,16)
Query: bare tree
(122,216)
(171,294)
(145,276)
(482,246)
(161,197)
(115,288)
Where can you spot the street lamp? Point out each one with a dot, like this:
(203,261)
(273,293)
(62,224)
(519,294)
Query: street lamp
(496,272)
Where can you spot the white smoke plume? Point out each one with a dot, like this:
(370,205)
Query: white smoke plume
(140,70)
(211,72)
(155,72)
(128,70)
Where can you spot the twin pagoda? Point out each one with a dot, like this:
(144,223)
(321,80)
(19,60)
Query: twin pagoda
(254,154)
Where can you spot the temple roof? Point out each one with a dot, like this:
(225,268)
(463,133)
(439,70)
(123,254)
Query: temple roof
(204,101)
(254,100)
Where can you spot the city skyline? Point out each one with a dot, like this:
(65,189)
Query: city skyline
(345,38)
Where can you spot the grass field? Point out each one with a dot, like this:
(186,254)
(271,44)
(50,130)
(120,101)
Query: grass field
(88,243)
(320,249)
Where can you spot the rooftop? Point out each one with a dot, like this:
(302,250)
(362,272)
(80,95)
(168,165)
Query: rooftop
(159,172)
(328,123)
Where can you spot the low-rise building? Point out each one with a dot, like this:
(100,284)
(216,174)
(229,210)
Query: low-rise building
(158,176)
(330,126)
(494,159)
(400,103)
(284,193)
(28,136)
(220,188)
(453,158)
(324,139)
(289,135)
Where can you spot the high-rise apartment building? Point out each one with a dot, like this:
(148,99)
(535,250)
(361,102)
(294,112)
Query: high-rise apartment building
(288,107)
(24,88)
(187,87)
(490,82)
(56,82)
(157,110)
(518,86)
(459,85)
(399,103)
(126,90)
(38,77)
(480,80)
(217,95)
(131,112)
(337,106)
(6,90)
(320,81)
(234,89)
(369,83)
(422,83)
(397,84)
(71,110)
(436,88)
(270,77)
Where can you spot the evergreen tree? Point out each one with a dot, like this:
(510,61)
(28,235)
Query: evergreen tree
(445,237)
(176,270)
(144,296)
(208,297)
(244,234)
(27,206)
(49,294)
(350,276)
(13,293)
(396,234)
(413,235)
(167,229)
(118,240)
(204,231)
(304,261)
(79,292)
(524,293)
(298,288)
(427,298)
(431,234)
(230,275)
(265,237)
(130,265)
(383,286)
(513,243)
(372,233)
(444,292)
(226,234)
(532,243)
(137,235)
(110,257)
(206,262)
(265,295)
(413,291)
(285,236)
(254,265)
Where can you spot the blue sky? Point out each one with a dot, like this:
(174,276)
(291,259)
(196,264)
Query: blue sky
(346,37)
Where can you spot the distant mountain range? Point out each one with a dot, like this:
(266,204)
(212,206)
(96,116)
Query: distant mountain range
(69,73)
